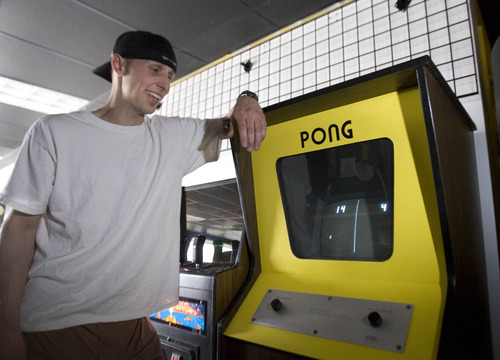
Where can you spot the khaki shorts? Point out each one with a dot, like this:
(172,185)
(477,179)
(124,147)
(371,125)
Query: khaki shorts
(132,339)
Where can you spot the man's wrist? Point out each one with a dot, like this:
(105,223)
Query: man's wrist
(249,93)
(226,123)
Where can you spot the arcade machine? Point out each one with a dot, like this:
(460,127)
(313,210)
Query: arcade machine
(213,266)
(367,226)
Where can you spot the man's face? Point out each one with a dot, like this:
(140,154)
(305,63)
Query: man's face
(145,84)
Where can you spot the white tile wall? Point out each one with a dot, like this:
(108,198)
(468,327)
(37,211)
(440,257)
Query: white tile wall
(350,40)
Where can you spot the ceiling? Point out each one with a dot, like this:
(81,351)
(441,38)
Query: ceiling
(55,44)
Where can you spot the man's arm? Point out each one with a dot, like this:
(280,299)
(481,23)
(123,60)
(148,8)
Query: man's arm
(248,117)
(17,246)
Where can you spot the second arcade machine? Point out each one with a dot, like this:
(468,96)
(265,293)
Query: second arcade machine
(213,266)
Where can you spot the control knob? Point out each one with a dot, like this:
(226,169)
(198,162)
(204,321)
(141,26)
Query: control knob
(277,305)
(375,319)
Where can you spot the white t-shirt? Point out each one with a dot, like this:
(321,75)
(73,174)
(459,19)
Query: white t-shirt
(107,248)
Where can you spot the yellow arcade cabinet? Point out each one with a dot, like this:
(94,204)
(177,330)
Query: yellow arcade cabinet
(362,208)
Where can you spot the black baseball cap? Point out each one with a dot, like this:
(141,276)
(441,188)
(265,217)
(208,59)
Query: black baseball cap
(140,45)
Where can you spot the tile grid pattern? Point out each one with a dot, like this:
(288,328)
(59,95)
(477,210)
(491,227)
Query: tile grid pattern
(350,39)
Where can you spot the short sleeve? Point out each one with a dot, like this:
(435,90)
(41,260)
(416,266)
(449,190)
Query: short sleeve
(205,136)
(31,181)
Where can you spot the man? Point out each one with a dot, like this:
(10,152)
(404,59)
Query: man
(90,244)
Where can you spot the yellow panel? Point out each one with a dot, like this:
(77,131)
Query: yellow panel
(370,119)
(414,274)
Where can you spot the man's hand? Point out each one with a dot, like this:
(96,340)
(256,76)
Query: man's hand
(248,117)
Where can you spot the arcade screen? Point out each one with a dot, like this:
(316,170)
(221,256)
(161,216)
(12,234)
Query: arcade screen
(207,249)
(339,202)
(188,314)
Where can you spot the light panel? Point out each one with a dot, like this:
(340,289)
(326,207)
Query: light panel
(38,99)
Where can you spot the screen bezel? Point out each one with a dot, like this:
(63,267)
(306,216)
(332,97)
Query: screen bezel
(388,149)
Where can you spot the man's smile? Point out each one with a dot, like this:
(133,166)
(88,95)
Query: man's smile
(155,95)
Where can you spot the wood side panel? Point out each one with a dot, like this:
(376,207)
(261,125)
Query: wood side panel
(466,329)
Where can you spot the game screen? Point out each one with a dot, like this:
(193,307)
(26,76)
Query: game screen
(338,202)
(207,249)
(188,314)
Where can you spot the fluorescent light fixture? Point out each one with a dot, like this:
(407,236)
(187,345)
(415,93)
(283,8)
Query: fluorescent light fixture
(38,99)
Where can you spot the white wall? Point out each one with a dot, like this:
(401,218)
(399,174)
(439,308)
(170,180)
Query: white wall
(474,107)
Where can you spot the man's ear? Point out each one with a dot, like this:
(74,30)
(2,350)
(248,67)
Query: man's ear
(118,64)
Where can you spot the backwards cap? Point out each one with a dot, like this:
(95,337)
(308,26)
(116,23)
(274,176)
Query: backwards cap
(140,45)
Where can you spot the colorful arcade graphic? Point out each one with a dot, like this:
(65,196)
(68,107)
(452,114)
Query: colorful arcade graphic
(187,314)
